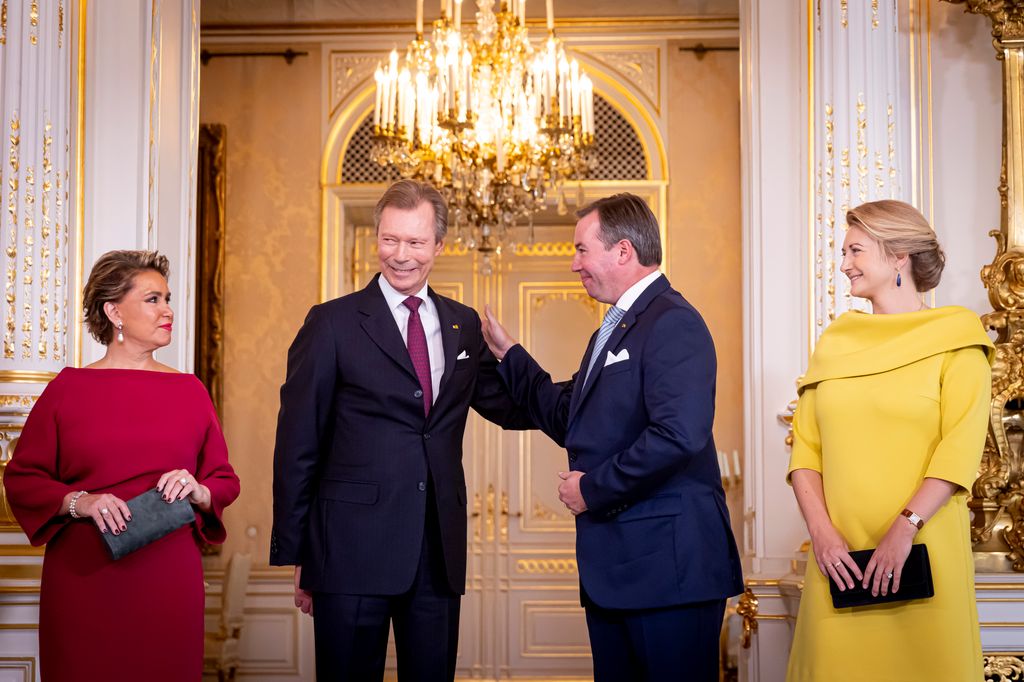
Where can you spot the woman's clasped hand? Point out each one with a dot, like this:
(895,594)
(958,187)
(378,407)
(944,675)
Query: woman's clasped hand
(109,512)
(179,484)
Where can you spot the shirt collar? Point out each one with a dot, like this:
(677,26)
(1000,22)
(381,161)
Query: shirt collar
(631,294)
(396,298)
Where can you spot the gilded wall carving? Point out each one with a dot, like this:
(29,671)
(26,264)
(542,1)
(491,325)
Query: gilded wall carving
(638,65)
(348,72)
(1004,668)
(998,493)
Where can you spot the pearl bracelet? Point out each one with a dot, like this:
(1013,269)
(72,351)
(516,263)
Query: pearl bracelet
(74,501)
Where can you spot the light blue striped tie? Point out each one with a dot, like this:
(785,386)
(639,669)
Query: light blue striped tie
(611,318)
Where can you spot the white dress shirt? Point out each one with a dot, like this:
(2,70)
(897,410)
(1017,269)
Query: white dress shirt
(431,327)
(629,297)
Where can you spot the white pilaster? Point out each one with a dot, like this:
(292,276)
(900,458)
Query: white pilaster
(141,132)
(865,123)
(35,73)
(35,60)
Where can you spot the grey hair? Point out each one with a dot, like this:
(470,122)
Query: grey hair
(406,195)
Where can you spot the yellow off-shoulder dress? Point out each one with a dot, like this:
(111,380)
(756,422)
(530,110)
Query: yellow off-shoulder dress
(887,401)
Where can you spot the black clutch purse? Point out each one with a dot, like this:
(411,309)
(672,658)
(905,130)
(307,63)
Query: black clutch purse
(915,581)
(152,518)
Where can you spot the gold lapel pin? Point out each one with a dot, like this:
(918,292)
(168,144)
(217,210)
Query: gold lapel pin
(455,326)
(623,325)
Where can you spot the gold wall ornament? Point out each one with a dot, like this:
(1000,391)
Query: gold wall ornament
(546,249)
(998,492)
(489,519)
(478,504)
(786,418)
(1004,668)
(542,512)
(505,515)
(9,434)
(546,566)
(747,610)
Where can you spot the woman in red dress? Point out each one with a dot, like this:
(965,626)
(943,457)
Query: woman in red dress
(101,435)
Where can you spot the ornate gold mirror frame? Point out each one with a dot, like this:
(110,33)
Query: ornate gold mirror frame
(998,494)
(210,234)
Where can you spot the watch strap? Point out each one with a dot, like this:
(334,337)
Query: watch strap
(913,518)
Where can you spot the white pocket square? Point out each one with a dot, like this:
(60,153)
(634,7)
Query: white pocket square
(612,358)
(463,356)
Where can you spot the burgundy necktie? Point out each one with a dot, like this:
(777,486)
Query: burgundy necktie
(416,340)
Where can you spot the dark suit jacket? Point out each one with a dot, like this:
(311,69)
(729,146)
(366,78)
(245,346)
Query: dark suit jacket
(656,532)
(354,449)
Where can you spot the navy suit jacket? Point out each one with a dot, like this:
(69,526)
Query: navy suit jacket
(656,531)
(354,449)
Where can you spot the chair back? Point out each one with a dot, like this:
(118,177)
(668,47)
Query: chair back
(236,582)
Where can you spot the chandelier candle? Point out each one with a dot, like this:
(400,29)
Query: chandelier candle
(495,122)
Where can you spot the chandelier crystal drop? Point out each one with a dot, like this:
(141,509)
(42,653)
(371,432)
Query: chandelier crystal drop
(493,121)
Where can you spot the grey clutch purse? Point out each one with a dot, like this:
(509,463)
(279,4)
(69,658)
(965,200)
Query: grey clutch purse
(152,518)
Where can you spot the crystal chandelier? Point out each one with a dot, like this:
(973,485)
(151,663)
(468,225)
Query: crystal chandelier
(494,122)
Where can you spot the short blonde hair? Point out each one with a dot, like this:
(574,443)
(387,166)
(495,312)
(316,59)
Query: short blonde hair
(111,278)
(900,229)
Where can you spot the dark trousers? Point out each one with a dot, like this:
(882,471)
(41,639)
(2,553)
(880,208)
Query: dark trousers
(351,631)
(674,644)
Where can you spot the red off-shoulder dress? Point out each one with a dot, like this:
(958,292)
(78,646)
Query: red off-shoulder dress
(117,431)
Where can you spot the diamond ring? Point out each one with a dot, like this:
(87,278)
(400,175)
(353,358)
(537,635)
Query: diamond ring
(183,480)
(889,576)
(104,511)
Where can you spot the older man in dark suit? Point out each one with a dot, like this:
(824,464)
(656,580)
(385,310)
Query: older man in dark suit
(369,489)
(656,555)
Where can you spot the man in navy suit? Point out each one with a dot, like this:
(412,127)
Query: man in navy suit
(369,489)
(656,555)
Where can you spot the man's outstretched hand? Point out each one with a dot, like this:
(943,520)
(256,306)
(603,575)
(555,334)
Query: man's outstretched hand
(497,337)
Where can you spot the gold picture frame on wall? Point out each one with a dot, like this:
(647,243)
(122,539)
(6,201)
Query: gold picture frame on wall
(210,235)
(211,191)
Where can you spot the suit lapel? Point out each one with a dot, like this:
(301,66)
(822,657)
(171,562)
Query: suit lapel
(577,387)
(451,331)
(653,290)
(380,326)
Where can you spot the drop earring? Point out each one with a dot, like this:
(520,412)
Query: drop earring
(899,280)
(120,334)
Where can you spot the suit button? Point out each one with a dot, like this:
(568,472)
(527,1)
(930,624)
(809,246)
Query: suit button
(426,436)
(421,486)
(417,394)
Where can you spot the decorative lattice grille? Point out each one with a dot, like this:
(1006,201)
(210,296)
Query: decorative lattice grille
(620,156)
(357,166)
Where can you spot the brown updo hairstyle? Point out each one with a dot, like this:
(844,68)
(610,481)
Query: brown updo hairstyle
(111,278)
(900,229)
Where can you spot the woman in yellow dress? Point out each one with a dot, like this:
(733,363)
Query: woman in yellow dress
(888,436)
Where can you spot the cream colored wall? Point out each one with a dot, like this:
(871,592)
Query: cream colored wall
(272,268)
(704,221)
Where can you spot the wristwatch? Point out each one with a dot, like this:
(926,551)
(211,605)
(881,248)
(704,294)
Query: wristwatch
(913,518)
